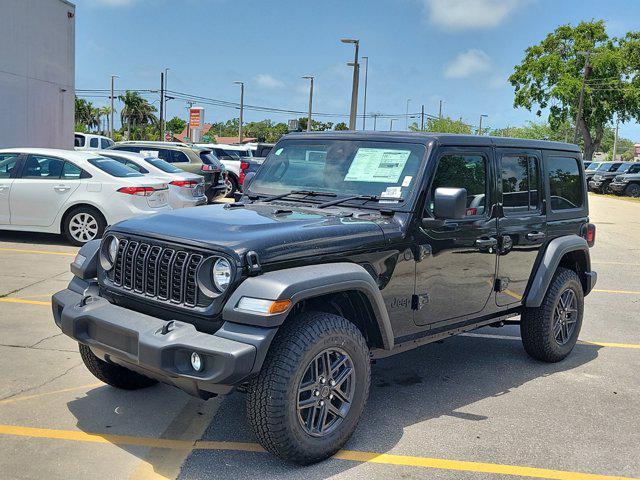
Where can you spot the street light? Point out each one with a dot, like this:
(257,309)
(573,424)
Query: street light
(480,125)
(406,126)
(310,78)
(241,109)
(111,112)
(354,87)
(364,103)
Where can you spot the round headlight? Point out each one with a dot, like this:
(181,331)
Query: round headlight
(109,252)
(221,274)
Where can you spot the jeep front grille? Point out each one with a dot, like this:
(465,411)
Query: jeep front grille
(162,273)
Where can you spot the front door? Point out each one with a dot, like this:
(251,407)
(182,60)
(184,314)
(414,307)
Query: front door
(455,271)
(41,191)
(8,165)
(522,228)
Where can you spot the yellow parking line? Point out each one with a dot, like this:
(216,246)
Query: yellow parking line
(22,300)
(612,345)
(55,392)
(42,252)
(623,292)
(350,455)
(628,264)
(582,342)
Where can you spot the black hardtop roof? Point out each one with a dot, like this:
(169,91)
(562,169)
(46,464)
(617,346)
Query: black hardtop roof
(441,138)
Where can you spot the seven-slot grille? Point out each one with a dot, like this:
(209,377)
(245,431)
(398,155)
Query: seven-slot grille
(163,273)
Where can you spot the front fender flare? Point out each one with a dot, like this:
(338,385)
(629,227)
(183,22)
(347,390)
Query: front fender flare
(301,283)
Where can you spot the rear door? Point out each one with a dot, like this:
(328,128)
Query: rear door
(39,193)
(522,229)
(8,170)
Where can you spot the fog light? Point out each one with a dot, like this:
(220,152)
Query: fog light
(196,361)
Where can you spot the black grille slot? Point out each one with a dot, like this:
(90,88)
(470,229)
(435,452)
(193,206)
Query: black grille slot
(158,272)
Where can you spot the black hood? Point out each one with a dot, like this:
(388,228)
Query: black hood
(275,233)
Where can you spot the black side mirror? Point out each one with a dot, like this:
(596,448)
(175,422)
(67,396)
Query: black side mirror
(450,203)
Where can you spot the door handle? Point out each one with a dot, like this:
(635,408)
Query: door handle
(535,235)
(61,188)
(486,242)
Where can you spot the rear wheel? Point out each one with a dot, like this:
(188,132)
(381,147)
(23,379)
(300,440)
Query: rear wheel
(632,190)
(230,186)
(83,224)
(549,332)
(306,401)
(112,374)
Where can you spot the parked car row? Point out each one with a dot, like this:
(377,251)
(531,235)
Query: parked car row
(621,178)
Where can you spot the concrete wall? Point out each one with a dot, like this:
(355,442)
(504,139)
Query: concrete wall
(37,73)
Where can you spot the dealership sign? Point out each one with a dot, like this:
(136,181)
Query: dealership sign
(196,116)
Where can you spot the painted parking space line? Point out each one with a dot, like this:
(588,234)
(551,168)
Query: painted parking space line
(25,301)
(348,455)
(632,346)
(39,252)
(54,392)
(621,292)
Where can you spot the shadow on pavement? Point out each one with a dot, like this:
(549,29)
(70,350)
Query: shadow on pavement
(409,388)
(34,238)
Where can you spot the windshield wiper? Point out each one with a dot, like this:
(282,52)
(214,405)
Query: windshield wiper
(368,198)
(307,193)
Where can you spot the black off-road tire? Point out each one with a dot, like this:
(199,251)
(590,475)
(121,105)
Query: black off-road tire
(632,190)
(273,395)
(112,374)
(537,324)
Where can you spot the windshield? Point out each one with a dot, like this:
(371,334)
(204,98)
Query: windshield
(608,167)
(388,170)
(113,167)
(593,166)
(162,165)
(623,168)
(209,158)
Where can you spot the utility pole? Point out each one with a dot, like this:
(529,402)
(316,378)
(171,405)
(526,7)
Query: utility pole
(189,105)
(240,138)
(406,120)
(309,77)
(364,103)
(391,124)
(375,118)
(440,111)
(587,70)
(615,143)
(354,86)
(111,112)
(480,126)
(162,106)
(422,119)
(163,99)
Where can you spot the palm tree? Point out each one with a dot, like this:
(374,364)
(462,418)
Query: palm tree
(136,110)
(106,112)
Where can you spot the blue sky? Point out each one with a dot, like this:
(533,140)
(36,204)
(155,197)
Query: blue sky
(460,51)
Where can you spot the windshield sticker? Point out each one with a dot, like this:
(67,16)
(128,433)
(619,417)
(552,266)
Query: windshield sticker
(377,165)
(150,153)
(407,181)
(392,193)
(279,151)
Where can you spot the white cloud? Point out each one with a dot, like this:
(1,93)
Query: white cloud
(267,81)
(468,63)
(470,14)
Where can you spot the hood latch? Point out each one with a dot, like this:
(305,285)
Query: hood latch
(253,263)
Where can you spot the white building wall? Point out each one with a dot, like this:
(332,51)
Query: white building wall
(37,73)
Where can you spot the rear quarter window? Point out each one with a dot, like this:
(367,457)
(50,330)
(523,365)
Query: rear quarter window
(565,184)
(113,167)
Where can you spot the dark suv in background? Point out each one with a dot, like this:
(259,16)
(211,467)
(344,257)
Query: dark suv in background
(627,184)
(187,157)
(605,174)
(345,247)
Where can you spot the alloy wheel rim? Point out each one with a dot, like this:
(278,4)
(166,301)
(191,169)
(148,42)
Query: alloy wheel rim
(228,187)
(83,227)
(565,317)
(325,392)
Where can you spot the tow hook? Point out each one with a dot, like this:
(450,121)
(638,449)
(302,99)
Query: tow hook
(167,327)
(253,263)
(86,299)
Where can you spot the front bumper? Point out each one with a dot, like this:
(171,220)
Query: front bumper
(137,341)
(618,187)
(594,185)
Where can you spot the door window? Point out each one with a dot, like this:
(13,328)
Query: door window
(520,179)
(42,167)
(105,143)
(172,156)
(93,143)
(8,162)
(565,187)
(469,171)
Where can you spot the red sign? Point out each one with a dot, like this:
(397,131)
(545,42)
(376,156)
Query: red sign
(195,120)
(167,136)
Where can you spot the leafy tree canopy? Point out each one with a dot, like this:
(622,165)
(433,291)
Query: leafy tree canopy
(443,125)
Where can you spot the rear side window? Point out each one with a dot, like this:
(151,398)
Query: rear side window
(8,162)
(463,171)
(38,166)
(105,143)
(209,158)
(634,168)
(79,141)
(71,171)
(127,148)
(172,156)
(93,143)
(162,165)
(520,191)
(113,168)
(565,186)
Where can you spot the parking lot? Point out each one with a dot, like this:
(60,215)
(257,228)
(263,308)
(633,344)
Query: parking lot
(474,406)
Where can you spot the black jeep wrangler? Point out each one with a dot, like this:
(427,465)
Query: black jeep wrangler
(345,247)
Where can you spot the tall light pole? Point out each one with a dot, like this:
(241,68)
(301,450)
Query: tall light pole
(615,142)
(406,120)
(364,103)
(161,106)
(391,124)
(241,110)
(163,127)
(440,110)
(113,77)
(310,78)
(480,125)
(375,117)
(587,71)
(354,88)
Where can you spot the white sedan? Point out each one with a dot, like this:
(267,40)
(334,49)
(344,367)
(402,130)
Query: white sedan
(75,193)
(185,189)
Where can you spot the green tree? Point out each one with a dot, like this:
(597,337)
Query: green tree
(537,131)
(86,115)
(176,125)
(443,125)
(316,125)
(550,77)
(137,111)
(341,126)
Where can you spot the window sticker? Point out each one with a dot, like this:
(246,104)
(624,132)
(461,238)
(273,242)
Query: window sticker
(279,151)
(377,165)
(150,153)
(392,193)
(407,181)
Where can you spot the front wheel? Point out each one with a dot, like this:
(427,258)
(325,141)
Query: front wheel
(632,190)
(306,401)
(549,332)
